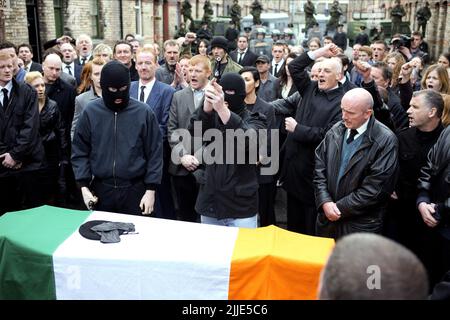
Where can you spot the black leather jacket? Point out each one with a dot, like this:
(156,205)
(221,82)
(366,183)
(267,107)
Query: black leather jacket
(52,132)
(434,181)
(362,192)
(19,130)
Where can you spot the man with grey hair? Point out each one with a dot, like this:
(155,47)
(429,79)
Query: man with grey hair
(84,49)
(415,142)
(366,266)
(166,72)
(317,111)
(355,170)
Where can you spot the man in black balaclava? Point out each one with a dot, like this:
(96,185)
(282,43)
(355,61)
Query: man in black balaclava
(233,87)
(115,83)
(117,148)
(228,193)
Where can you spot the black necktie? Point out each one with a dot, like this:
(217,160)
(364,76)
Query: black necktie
(141,97)
(276,69)
(351,137)
(5,97)
(83,61)
(240,57)
(69,69)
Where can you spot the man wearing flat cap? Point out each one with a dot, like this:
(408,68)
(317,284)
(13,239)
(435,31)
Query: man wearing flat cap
(222,63)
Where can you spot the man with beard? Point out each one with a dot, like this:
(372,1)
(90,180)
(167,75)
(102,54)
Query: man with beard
(117,148)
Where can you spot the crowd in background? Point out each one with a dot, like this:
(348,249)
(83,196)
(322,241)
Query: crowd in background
(362,132)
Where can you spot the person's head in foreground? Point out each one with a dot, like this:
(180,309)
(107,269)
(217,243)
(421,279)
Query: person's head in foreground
(367,266)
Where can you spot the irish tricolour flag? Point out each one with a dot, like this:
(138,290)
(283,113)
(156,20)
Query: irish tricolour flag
(43,256)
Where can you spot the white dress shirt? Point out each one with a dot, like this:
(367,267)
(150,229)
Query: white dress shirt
(360,130)
(147,90)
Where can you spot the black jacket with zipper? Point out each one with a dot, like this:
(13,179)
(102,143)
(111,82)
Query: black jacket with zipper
(362,192)
(19,129)
(228,190)
(117,146)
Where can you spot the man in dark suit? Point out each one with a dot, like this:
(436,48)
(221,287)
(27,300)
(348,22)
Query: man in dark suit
(242,54)
(184,164)
(84,49)
(26,54)
(277,63)
(158,96)
(69,65)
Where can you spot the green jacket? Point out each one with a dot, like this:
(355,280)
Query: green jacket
(230,67)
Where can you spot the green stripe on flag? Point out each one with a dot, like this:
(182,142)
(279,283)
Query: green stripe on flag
(28,239)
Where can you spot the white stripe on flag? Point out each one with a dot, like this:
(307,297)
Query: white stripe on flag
(166,260)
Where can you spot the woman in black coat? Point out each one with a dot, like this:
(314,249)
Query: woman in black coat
(52,132)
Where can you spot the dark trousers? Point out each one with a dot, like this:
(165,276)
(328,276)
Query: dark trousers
(164,206)
(301,217)
(186,190)
(123,199)
(9,194)
(266,202)
(21,191)
(435,255)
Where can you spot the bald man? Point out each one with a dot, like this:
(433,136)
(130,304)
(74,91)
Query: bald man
(355,170)
(58,89)
(366,266)
(64,94)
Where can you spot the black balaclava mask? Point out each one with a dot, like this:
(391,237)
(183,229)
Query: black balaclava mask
(234,81)
(115,75)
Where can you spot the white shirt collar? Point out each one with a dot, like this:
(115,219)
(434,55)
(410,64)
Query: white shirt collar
(80,58)
(360,130)
(71,65)
(279,63)
(148,88)
(28,66)
(7,87)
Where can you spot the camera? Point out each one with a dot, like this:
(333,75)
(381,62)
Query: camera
(402,41)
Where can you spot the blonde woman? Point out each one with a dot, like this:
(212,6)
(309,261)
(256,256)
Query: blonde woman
(395,60)
(52,132)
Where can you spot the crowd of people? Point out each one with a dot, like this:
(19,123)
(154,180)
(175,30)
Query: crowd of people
(361,141)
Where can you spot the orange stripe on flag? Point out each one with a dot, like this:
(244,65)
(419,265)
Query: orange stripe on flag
(271,263)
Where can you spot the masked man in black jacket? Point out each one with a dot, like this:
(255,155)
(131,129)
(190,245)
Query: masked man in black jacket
(117,148)
(228,193)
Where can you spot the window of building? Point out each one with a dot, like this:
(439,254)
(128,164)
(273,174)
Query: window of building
(138,16)
(59,18)
(96,30)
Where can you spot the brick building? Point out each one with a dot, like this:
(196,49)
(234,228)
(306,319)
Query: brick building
(36,21)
